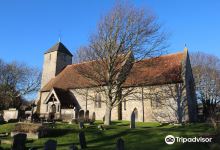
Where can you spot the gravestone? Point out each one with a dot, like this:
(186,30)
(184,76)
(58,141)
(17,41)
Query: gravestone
(50,145)
(120,144)
(103,118)
(82,140)
(93,117)
(73,147)
(81,125)
(87,116)
(19,141)
(81,115)
(132,122)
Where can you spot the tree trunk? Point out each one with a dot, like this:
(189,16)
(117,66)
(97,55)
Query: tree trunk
(120,111)
(108,115)
(119,106)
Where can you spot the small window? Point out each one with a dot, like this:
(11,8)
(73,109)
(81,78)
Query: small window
(50,57)
(47,108)
(124,104)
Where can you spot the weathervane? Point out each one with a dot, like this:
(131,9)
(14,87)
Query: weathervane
(59,36)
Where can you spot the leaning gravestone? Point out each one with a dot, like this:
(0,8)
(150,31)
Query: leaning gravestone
(50,145)
(82,140)
(120,144)
(19,141)
(132,123)
(73,147)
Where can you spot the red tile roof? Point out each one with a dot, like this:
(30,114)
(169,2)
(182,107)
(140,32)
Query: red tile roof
(155,71)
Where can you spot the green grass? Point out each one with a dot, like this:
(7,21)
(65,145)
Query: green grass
(149,136)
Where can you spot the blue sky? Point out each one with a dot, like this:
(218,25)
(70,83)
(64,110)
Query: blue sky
(29,27)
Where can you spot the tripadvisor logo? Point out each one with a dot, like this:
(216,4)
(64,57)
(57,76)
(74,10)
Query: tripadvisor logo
(169,139)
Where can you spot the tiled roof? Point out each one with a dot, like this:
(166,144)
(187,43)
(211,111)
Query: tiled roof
(155,71)
(59,47)
(65,97)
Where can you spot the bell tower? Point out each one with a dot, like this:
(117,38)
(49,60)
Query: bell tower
(55,59)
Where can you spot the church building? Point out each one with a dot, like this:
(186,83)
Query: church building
(164,89)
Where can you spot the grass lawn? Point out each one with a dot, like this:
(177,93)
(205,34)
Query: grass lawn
(147,136)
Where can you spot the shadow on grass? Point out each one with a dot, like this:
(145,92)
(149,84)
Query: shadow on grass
(58,145)
(57,132)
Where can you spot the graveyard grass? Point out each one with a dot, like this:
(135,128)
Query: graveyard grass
(149,136)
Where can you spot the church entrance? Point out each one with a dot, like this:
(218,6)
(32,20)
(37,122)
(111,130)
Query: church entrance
(52,112)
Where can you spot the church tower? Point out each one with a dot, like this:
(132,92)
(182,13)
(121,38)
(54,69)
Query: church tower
(55,59)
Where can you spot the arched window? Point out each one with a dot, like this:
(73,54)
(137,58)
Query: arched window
(98,100)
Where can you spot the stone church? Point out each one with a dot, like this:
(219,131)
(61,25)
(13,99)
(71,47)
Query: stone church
(164,89)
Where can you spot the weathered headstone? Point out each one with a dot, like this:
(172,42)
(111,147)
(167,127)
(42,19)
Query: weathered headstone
(93,117)
(82,140)
(81,125)
(50,145)
(132,122)
(103,118)
(87,115)
(19,141)
(73,147)
(81,115)
(120,144)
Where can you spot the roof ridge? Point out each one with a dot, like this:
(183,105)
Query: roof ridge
(161,56)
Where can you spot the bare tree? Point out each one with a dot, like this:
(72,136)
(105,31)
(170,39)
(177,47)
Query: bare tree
(17,80)
(123,35)
(83,54)
(206,70)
